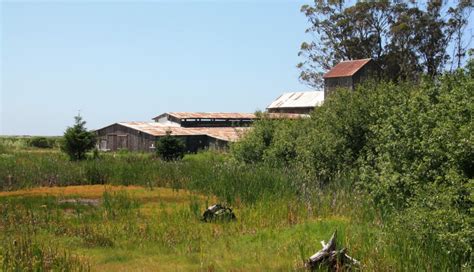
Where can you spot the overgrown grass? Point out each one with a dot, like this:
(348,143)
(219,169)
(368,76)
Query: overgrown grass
(17,143)
(209,173)
(279,220)
(134,228)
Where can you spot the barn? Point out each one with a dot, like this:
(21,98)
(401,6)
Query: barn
(142,136)
(347,74)
(296,103)
(206,119)
(198,130)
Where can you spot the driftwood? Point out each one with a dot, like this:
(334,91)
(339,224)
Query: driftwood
(335,260)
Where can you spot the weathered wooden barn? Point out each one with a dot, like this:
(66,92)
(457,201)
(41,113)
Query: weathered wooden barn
(199,130)
(142,136)
(296,103)
(347,74)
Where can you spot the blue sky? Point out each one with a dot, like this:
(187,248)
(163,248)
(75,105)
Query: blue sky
(127,61)
(124,61)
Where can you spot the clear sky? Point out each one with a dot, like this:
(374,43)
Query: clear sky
(128,61)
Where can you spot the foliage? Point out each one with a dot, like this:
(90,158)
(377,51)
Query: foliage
(403,38)
(170,148)
(77,140)
(409,146)
(13,143)
(40,142)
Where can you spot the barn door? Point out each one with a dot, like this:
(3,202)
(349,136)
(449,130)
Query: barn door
(122,142)
(112,142)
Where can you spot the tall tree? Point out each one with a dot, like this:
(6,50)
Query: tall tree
(403,38)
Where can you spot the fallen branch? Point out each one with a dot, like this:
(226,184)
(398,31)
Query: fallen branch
(334,259)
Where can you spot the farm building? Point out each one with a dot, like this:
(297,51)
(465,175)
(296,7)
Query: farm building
(347,74)
(206,119)
(199,130)
(141,136)
(296,103)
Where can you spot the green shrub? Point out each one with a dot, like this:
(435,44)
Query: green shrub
(410,146)
(40,142)
(170,148)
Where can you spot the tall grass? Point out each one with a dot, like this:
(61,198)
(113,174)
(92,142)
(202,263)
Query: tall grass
(277,214)
(209,174)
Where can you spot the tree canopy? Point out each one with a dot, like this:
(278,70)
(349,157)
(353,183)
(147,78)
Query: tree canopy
(404,38)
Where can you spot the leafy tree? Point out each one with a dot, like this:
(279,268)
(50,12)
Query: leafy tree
(404,39)
(78,140)
(170,148)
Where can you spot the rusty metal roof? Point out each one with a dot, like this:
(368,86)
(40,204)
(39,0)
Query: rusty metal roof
(346,68)
(157,129)
(208,115)
(215,115)
(298,100)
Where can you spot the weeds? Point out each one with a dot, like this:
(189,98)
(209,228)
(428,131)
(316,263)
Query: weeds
(276,216)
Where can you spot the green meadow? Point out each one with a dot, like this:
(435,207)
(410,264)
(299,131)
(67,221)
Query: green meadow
(128,211)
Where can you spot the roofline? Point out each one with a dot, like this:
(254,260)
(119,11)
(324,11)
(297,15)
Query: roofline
(291,107)
(121,124)
(268,107)
(161,115)
(355,72)
(192,112)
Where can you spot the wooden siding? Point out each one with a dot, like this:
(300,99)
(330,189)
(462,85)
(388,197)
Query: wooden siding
(368,71)
(116,137)
(331,84)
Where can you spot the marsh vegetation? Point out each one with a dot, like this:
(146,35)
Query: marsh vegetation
(388,166)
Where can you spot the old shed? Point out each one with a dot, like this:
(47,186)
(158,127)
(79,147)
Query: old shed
(347,74)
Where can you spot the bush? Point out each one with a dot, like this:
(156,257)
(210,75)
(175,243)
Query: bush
(41,142)
(77,140)
(395,141)
(170,148)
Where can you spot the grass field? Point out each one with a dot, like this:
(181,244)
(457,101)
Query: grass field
(133,212)
(134,228)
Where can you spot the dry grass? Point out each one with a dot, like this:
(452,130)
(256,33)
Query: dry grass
(97,191)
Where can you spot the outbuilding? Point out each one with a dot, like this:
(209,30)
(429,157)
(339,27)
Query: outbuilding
(198,130)
(142,136)
(296,103)
(347,74)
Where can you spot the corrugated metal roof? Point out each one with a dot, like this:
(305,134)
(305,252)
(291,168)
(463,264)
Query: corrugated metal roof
(346,68)
(208,115)
(157,129)
(215,115)
(298,100)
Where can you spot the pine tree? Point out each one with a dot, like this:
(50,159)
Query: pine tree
(170,148)
(78,140)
